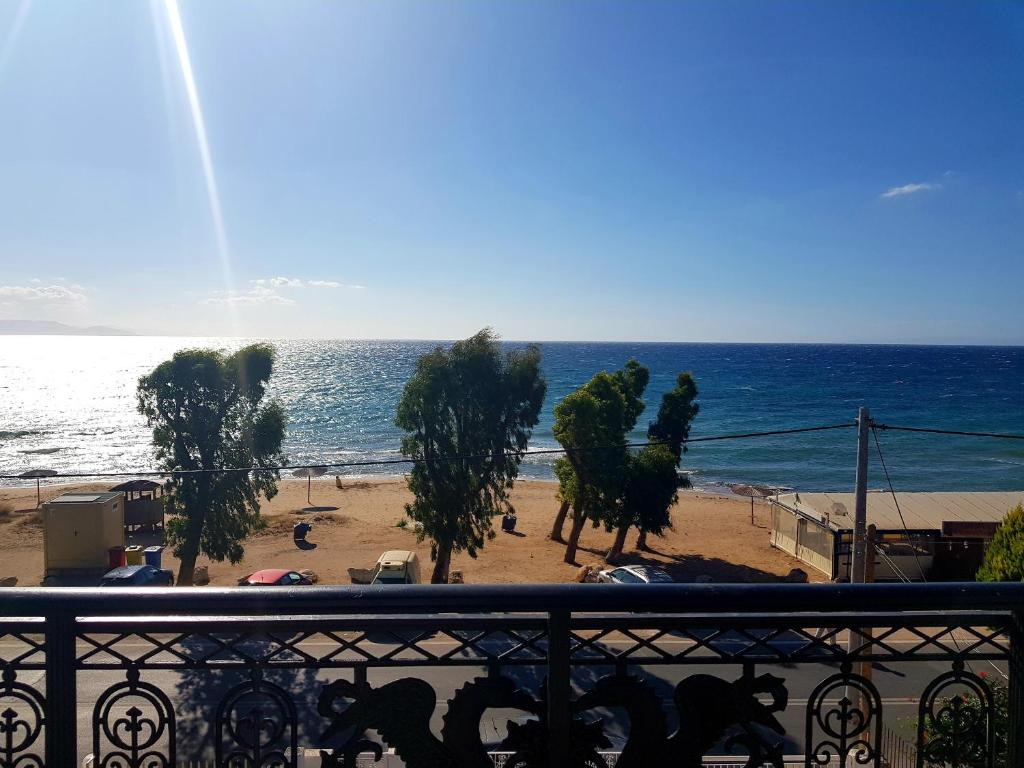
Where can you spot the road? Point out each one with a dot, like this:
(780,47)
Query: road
(195,693)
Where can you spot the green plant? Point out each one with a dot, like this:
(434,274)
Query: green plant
(403,523)
(207,412)
(1004,555)
(475,402)
(948,736)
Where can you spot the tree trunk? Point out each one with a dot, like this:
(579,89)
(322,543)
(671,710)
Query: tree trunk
(620,541)
(186,569)
(190,546)
(556,530)
(578,519)
(641,540)
(441,565)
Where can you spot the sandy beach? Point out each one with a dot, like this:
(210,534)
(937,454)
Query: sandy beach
(351,526)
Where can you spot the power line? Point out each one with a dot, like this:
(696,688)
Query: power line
(896,501)
(934,431)
(426,460)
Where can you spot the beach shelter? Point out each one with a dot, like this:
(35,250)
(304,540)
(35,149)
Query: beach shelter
(309,473)
(35,474)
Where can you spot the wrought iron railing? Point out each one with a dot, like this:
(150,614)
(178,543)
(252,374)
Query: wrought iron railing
(546,675)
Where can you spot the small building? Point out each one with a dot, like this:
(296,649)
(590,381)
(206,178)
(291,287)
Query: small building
(78,531)
(143,507)
(943,538)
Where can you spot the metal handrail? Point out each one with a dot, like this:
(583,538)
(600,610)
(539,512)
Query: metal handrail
(717,599)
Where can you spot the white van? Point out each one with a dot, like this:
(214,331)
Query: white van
(397,566)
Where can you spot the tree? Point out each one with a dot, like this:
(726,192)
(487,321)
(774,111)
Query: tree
(469,400)
(207,412)
(649,492)
(1004,556)
(591,424)
(672,427)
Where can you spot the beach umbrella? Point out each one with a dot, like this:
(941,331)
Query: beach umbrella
(35,474)
(309,473)
(754,492)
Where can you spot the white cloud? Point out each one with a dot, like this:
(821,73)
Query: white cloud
(909,189)
(50,294)
(267,291)
(258,294)
(295,282)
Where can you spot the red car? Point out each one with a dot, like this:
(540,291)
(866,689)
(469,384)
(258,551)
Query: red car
(275,577)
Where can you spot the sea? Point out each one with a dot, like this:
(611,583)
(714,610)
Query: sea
(68,403)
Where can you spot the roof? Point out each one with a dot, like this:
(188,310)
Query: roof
(84,498)
(267,575)
(125,571)
(921,511)
(401,555)
(136,485)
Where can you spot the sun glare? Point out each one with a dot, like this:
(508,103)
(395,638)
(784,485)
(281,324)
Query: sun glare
(196,110)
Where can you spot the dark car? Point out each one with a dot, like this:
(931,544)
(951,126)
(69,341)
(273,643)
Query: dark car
(137,576)
(635,574)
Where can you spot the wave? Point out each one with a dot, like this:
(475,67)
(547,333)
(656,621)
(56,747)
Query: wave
(17,434)
(41,450)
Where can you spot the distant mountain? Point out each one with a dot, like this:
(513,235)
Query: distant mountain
(53,328)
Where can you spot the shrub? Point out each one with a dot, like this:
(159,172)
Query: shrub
(1004,556)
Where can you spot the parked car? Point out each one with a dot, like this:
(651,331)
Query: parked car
(137,576)
(396,566)
(634,574)
(275,577)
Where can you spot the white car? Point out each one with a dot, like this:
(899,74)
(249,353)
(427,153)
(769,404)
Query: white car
(634,574)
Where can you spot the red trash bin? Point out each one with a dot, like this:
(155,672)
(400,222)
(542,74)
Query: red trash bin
(116,557)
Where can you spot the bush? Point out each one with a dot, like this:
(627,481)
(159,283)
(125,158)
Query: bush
(955,720)
(1004,556)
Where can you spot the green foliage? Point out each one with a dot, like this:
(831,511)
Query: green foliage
(678,410)
(947,735)
(470,400)
(650,490)
(207,411)
(1004,556)
(596,419)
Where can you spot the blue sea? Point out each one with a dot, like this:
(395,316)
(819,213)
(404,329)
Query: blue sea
(68,403)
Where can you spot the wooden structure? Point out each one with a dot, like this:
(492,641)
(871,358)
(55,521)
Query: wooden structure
(144,505)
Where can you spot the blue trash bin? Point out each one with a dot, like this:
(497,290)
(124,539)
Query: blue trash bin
(152,555)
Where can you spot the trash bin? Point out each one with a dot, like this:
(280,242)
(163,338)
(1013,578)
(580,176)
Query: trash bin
(133,555)
(115,557)
(152,555)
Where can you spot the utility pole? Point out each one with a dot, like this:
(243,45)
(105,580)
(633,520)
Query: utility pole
(858,566)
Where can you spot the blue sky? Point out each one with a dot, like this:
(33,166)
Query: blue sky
(750,171)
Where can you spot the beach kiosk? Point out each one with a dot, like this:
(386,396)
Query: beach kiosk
(927,536)
(79,529)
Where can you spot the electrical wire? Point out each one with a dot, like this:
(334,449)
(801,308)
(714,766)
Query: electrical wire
(913,548)
(470,457)
(896,501)
(931,431)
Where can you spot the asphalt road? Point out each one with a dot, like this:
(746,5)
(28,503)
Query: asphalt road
(195,693)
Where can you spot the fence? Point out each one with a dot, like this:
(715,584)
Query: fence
(555,675)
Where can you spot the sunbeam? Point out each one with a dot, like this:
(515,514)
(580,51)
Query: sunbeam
(223,252)
(15,31)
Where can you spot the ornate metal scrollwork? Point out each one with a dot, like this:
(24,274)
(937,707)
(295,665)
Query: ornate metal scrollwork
(710,707)
(955,721)
(130,723)
(256,726)
(849,731)
(21,721)
(400,712)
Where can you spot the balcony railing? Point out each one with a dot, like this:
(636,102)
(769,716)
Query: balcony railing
(562,675)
